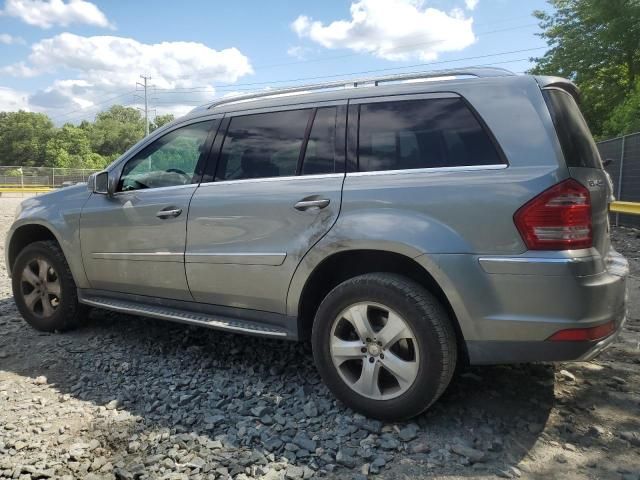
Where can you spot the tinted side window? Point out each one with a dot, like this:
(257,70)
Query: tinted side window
(168,161)
(263,145)
(576,141)
(320,154)
(412,134)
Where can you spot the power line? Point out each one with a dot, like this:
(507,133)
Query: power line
(93,107)
(194,102)
(94,110)
(235,87)
(440,62)
(504,20)
(326,59)
(397,47)
(391,50)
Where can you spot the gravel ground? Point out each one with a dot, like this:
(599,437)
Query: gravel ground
(125,397)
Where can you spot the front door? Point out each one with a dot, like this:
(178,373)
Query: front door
(276,192)
(133,241)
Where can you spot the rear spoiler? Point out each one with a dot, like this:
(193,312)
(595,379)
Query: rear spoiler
(558,82)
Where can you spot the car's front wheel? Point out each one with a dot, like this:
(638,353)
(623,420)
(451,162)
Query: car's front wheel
(43,288)
(384,345)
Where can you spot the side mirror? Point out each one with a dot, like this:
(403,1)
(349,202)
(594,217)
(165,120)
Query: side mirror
(607,161)
(99,183)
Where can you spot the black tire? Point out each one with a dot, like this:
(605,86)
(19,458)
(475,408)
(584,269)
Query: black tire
(68,313)
(430,324)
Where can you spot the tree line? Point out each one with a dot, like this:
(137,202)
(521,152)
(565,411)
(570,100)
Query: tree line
(31,140)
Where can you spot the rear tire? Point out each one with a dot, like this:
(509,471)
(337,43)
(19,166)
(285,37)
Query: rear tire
(384,346)
(44,290)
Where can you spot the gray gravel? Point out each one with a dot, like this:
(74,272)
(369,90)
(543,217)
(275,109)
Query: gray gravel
(125,397)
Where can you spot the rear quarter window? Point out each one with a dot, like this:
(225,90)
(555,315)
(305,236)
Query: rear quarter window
(577,144)
(431,133)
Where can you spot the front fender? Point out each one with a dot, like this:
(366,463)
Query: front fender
(59,212)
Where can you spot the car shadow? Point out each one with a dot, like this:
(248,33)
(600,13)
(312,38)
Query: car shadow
(192,380)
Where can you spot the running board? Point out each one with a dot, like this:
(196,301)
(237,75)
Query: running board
(218,322)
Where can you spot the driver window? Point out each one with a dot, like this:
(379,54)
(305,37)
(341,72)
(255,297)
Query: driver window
(169,161)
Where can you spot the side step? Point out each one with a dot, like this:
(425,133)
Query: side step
(173,314)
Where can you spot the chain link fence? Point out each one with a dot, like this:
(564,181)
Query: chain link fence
(625,172)
(11,176)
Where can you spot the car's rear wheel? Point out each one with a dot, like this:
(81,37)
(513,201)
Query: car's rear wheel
(384,345)
(43,288)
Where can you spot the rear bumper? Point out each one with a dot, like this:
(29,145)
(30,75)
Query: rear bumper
(503,352)
(507,307)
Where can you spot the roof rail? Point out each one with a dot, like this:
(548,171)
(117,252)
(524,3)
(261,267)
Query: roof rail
(480,72)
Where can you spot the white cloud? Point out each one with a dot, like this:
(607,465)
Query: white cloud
(47,13)
(7,39)
(392,29)
(93,69)
(471,4)
(123,59)
(12,100)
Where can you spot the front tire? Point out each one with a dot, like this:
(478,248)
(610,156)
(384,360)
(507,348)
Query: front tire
(384,346)
(43,288)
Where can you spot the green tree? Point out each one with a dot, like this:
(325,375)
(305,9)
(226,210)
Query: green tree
(23,138)
(161,120)
(625,118)
(68,148)
(596,43)
(115,130)
(31,139)
(95,161)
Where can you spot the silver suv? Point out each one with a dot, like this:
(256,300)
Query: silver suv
(405,226)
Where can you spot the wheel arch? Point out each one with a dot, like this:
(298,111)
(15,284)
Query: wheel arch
(342,265)
(24,235)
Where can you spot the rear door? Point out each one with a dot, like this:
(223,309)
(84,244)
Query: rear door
(275,191)
(582,159)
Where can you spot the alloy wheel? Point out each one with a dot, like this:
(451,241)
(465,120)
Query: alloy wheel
(40,287)
(374,350)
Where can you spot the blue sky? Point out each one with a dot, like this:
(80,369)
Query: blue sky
(72,58)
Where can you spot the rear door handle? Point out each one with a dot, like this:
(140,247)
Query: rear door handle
(303,205)
(169,212)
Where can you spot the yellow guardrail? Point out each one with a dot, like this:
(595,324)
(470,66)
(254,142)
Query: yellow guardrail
(26,185)
(632,208)
(25,189)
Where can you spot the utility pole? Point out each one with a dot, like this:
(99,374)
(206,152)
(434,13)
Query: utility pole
(146,102)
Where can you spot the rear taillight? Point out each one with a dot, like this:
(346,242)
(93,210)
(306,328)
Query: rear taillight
(557,219)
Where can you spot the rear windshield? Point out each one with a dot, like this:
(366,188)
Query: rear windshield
(575,138)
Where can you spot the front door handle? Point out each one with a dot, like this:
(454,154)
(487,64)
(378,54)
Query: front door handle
(303,205)
(169,212)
